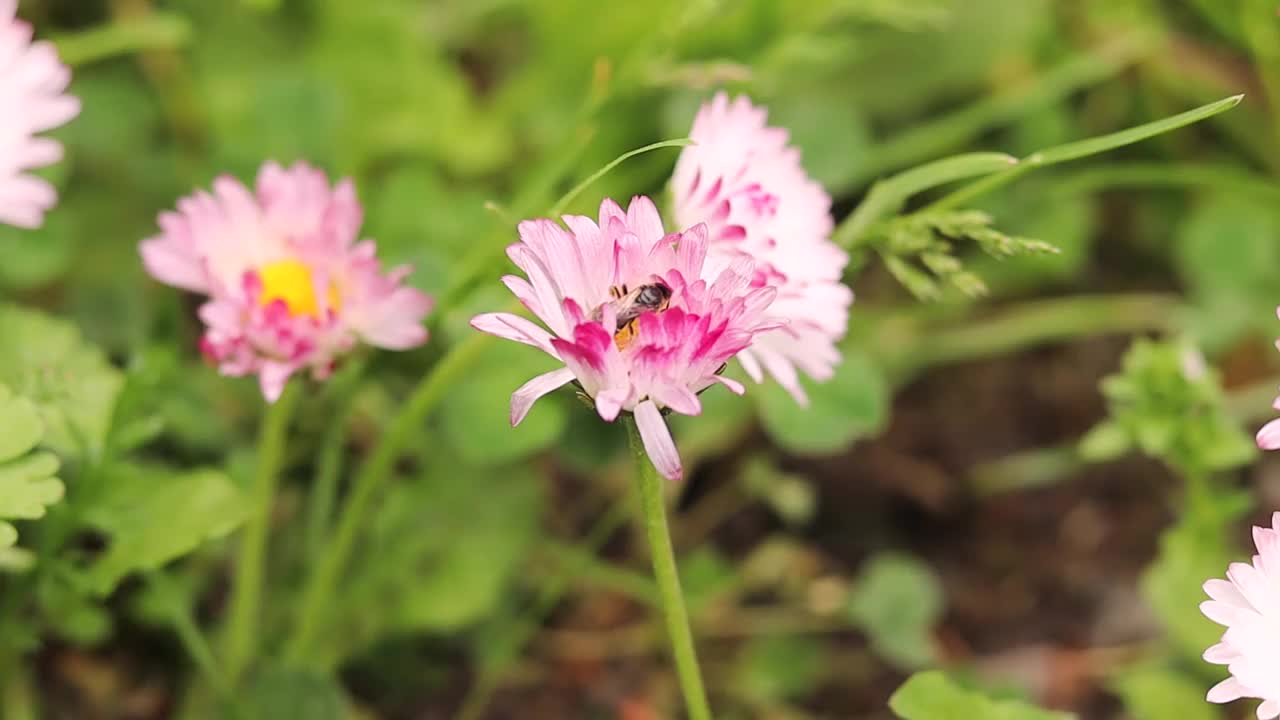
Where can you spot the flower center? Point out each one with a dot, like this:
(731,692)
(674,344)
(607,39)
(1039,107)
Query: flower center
(290,282)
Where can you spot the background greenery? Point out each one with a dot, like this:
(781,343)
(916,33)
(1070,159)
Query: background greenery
(497,577)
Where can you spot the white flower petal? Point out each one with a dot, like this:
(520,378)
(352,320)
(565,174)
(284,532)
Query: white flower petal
(526,395)
(657,440)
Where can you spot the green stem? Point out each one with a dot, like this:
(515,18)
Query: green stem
(322,583)
(654,513)
(246,593)
(155,31)
(926,337)
(324,488)
(17,701)
(193,641)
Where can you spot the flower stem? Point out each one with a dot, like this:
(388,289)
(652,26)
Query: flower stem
(322,583)
(324,487)
(193,641)
(246,593)
(654,514)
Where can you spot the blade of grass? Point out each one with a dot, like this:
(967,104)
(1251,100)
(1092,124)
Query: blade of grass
(563,202)
(922,337)
(1080,149)
(887,196)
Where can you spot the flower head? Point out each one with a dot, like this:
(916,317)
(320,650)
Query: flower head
(289,286)
(1269,436)
(32,81)
(1248,603)
(744,181)
(629,316)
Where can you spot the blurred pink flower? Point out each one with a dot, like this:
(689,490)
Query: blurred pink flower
(32,81)
(747,185)
(630,318)
(1248,603)
(289,286)
(1269,436)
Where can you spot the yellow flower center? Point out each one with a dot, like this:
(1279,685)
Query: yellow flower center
(290,281)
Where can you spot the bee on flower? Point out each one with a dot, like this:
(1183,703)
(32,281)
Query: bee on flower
(290,288)
(33,82)
(631,313)
(742,179)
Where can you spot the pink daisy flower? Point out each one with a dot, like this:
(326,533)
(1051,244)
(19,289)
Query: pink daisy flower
(289,286)
(747,185)
(32,81)
(1269,436)
(629,316)
(1248,603)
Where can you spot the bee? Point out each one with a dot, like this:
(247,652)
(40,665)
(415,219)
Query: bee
(630,305)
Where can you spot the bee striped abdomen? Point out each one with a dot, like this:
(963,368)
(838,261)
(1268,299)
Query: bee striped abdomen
(629,305)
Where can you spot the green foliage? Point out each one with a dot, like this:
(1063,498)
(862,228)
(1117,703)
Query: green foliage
(1228,251)
(1192,551)
(934,696)
(852,404)
(27,482)
(789,495)
(429,565)
(1167,403)
(1154,692)
(776,668)
(456,119)
(153,515)
(704,574)
(476,414)
(72,385)
(919,250)
(278,692)
(896,601)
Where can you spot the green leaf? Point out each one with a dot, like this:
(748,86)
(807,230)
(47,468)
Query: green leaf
(293,693)
(790,495)
(1082,148)
(27,482)
(1104,143)
(1105,441)
(1228,251)
(46,360)
(154,515)
(934,696)
(887,196)
(1158,692)
(1190,552)
(70,611)
(1167,403)
(852,404)
(476,414)
(37,257)
(775,668)
(896,601)
(431,567)
(704,574)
